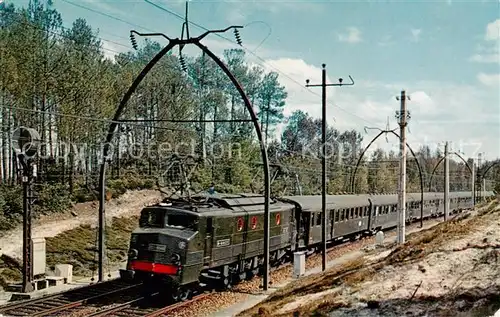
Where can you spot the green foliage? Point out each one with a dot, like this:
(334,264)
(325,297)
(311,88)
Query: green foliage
(11,206)
(52,198)
(10,270)
(119,186)
(78,246)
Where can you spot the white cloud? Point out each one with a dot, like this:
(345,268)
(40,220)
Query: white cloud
(490,51)
(386,41)
(110,50)
(485,58)
(493,31)
(299,98)
(415,34)
(235,16)
(352,35)
(492,80)
(109,9)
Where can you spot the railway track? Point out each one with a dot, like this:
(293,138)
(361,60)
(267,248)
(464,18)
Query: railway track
(68,300)
(147,306)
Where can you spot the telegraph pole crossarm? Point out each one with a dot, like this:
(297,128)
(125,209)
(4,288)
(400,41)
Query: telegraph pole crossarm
(323,85)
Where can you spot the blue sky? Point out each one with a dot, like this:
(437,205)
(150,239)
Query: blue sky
(445,54)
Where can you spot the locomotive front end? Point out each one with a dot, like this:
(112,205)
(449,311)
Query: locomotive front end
(162,248)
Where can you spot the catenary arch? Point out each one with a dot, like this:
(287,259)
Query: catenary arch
(353,178)
(116,120)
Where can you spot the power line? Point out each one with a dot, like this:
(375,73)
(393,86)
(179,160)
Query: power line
(107,15)
(95,119)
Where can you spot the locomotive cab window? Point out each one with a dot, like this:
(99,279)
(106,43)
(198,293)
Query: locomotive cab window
(152,218)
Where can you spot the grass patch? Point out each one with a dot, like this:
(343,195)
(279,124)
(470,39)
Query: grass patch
(10,270)
(78,246)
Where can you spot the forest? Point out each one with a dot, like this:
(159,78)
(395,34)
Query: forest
(178,129)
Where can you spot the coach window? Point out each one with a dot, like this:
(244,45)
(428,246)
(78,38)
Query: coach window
(318,219)
(312,219)
(336,211)
(352,213)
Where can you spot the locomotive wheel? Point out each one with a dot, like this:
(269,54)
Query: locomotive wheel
(227,283)
(184,294)
(176,295)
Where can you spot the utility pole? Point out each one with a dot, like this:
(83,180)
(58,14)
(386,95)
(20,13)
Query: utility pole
(473,182)
(446,182)
(402,115)
(323,86)
(480,184)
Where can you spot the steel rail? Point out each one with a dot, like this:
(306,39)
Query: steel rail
(48,305)
(133,308)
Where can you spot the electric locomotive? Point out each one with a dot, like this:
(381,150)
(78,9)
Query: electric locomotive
(212,241)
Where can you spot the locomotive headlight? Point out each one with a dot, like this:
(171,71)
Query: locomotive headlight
(133,253)
(175,258)
(182,245)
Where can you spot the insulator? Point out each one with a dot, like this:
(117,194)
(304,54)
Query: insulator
(132,39)
(183,63)
(237,36)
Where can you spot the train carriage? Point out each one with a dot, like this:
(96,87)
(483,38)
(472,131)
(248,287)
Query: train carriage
(384,211)
(347,215)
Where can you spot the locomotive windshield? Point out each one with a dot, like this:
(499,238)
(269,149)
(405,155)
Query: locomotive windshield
(152,218)
(161,218)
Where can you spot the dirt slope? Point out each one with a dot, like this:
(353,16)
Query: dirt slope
(128,204)
(452,269)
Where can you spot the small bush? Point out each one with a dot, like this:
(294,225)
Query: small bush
(52,198)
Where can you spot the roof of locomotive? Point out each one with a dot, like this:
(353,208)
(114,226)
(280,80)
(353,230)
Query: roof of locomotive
(206,205)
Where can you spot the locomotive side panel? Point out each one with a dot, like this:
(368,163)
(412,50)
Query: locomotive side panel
(242,236)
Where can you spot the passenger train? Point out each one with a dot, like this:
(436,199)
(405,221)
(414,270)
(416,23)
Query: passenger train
(217,240)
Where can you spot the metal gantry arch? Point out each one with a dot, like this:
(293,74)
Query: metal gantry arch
(353,178)
(483,174)
(116,120)
(441,160)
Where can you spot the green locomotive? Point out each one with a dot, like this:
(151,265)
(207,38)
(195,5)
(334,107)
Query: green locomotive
(215,241)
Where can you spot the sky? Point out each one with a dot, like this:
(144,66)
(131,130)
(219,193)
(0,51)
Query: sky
(444,54)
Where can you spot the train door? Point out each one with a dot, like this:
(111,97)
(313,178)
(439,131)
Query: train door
(332,224)
(306,225)
(209,235)
(370,214)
